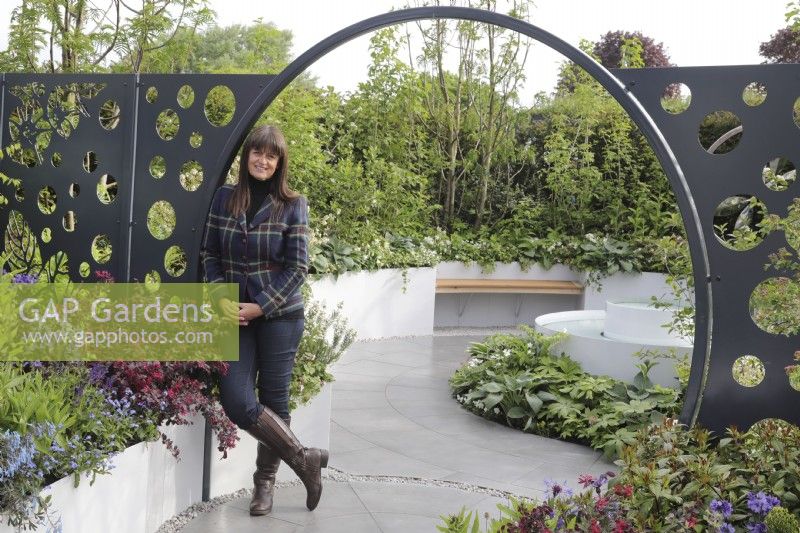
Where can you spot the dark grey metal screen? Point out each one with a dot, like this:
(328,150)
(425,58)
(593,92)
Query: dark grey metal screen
(768,132)
(110,148)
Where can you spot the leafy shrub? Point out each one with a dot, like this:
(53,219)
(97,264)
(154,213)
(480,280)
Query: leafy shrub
(56,422)
(516,380)
(780,520)
(676,472)
(325,339)
(169,392)
(671,479)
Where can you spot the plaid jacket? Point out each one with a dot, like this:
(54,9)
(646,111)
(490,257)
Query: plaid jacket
(268,259)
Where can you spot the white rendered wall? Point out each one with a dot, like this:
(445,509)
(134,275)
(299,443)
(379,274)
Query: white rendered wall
(146,487)
(627,287)
(375,304)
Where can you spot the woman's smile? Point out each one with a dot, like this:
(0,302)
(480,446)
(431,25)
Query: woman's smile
(261,165)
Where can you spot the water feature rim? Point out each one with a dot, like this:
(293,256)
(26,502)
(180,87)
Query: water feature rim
(550,321)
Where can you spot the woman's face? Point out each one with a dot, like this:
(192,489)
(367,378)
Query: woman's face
(261,164)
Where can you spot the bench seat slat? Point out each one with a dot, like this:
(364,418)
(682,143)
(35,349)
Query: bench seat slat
(508,286)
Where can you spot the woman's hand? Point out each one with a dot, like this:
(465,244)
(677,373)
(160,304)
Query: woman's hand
(249,311)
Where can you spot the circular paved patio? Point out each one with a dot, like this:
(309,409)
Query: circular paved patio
(404,452)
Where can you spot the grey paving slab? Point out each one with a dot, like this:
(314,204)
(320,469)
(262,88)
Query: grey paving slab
(416,380)
(346,381)
(229,518)
(393,345)
(338,500)
(517,490)
(437,369)
(369,367)
(536,477)
(413,408)
(413,499)
(458,424)
(359,399)
(410,360)
(514,443)
(485,464)
(345,441)
(356,523)
(401,392)
(404,523)
(422,445)
(359,421)
(380,461)
(450,454)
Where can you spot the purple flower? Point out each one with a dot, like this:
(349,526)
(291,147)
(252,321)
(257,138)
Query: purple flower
(97,372)
(24,278)
(17,454)
(758,527)
(600,481)
(555,488)
(726,528)
(761,503)
(723,507)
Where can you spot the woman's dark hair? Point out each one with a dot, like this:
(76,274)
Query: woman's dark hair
(270,140)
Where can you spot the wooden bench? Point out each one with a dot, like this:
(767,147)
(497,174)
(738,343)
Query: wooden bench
(501,286)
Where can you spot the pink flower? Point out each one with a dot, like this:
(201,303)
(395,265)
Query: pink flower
(104,276)
(585,480)
(626,491)
(621,526)
(601,504)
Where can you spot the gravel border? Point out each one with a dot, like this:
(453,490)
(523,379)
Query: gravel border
(179,521)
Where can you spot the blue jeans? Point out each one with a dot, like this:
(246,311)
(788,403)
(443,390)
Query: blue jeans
(267,350)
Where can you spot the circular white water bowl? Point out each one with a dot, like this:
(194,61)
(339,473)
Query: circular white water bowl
(640,322)
(613,355)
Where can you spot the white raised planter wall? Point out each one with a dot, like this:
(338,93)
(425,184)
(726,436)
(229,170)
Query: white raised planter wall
(146,487)
(312,425)
(622,287)
(376,305)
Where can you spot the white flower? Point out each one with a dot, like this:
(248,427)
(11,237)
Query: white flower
(496,411)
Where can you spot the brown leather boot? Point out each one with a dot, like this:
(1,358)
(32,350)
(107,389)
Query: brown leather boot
(307,463)
(267,463)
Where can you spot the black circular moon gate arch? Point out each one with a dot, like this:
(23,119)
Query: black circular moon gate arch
(612,84)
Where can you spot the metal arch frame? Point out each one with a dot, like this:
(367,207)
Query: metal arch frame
(665,155)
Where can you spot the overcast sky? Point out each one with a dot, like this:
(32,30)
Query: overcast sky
(695,32)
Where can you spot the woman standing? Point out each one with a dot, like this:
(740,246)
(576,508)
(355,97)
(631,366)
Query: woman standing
(256,236)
